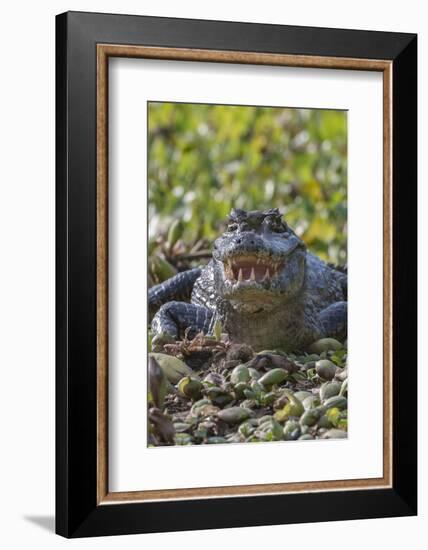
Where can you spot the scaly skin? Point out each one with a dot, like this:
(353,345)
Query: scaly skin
(263,286)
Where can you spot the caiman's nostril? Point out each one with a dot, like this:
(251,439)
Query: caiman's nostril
(238,241)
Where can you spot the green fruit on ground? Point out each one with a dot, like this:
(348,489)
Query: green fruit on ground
(329,389)
(174,368)
(301,395)
(270,430)
(337,401)
(234,415)
(189,387)
(254,374)
(325,369)
(273,377)
(181,427)
(335,434)
(199,404)
(325,344)
(240,374)
(310,417)
(219,396)
(291,430)
(311,402)
(240,387)
(293,408)
(344,388)
(182,439)
(214,440)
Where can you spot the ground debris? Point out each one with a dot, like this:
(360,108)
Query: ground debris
(248,397)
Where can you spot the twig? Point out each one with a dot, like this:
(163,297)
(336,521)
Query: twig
(194,256)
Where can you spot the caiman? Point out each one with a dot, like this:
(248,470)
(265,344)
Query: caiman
(263,286)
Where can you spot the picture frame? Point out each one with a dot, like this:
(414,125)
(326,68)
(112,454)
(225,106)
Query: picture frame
(84,44)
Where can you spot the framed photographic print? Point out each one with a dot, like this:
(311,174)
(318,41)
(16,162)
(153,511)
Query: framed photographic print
(236,274)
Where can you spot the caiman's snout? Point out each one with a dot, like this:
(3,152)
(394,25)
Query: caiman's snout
(246,242)
(257,259)
(256,252)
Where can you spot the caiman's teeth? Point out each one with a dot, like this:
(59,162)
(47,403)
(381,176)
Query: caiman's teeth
(258,261)
(253,275)
(240,275)
(267,275)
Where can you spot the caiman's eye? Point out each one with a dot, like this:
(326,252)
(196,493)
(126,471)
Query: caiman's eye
(232,227)
(276,224)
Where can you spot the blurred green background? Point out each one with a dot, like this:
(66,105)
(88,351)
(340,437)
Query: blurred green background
(205,159)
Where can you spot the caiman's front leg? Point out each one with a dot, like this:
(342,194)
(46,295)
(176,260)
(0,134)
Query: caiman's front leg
(334,321)
(174,318)
(177,288)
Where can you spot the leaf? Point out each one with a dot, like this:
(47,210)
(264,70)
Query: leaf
(217,329)
(157,383)
(333,415)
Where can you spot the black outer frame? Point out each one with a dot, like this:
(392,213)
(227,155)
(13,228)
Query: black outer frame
(77,513)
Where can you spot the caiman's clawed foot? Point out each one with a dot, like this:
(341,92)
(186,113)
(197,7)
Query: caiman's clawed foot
(175,319)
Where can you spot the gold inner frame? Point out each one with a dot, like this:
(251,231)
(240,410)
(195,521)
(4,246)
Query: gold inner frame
(104,51)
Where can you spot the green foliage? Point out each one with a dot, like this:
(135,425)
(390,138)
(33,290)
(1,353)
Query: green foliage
(205,159)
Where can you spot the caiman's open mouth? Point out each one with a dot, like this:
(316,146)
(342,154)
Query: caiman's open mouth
(243,268)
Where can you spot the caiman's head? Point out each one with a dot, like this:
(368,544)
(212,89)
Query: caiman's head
(259,262)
